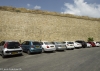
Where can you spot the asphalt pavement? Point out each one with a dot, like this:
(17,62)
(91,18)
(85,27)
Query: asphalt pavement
(84,59)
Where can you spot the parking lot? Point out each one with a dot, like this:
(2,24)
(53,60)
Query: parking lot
(84,59)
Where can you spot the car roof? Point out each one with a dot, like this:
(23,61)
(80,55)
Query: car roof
(10,41)
(44,41)
(32,41)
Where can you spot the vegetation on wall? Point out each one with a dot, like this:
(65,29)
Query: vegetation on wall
(90,39)
(24,10)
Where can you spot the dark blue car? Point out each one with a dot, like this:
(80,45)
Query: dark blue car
(31,47)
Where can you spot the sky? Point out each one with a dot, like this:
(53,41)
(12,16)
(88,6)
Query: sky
(89,8)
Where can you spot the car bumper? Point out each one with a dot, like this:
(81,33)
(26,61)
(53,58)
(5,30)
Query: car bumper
(36,51)
(70,47)
(50,49)
(12,53)
(77,46)
(60,48)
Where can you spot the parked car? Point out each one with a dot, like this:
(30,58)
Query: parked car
(69,45)
(97,44)
(92,43)
(31,47)
(82,42)
(77,45)
(59,46)
(10,48)
(47,46)
(89,45)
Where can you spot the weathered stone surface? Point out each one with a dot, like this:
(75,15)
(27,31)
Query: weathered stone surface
(27,26)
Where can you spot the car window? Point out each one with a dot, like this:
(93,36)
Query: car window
(70,42)
(79,41)
(52,42)
(60,43)
(27,43)
(64,42)
(41,43)
(47,43)
(36,43)
(24,43)
(12,45)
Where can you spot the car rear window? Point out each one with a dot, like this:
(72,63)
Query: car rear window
(70,42)
(36,43)
(64,42)
(12,45)
(60,43)
(48,43)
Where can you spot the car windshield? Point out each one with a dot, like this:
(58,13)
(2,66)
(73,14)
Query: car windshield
(48,43)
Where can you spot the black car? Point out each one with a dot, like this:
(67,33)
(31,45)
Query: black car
(83,43)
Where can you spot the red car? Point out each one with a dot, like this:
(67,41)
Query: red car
(92,43)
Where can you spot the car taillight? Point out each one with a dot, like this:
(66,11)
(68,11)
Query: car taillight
(5,45)
(47,46)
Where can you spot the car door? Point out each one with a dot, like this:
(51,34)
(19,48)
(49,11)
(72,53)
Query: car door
(27,45)
(23,45)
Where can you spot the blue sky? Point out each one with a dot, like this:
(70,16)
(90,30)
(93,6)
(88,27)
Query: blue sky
(77,7)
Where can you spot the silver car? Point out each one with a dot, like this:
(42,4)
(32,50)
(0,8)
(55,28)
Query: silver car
(59,46)
(10,48)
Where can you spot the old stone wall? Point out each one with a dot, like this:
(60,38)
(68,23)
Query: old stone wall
(27,26)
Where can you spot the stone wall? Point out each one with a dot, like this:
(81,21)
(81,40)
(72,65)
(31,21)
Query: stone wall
(27,26)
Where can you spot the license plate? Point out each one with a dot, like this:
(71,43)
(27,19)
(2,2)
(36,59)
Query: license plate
(37,46)
(51,46)
(14,52)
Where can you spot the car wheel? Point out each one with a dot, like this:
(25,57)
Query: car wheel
(21,54)
(3,56)
(29,52)
(72,48)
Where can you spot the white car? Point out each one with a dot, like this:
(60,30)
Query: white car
(69,45)
(47,46)
(77,45)
(10,48)
(97,43)
(89,45)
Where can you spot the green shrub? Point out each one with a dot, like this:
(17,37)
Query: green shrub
(90,39)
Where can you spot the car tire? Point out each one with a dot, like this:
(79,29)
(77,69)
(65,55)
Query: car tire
(29,52)
(72,48)
(3,56)
(21,54)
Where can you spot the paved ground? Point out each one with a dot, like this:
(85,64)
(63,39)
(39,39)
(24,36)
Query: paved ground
(84,59)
